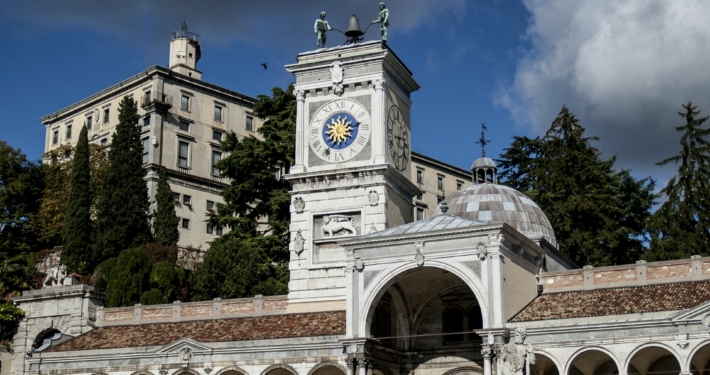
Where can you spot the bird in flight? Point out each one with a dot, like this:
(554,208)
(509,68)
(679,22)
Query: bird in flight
(264,65)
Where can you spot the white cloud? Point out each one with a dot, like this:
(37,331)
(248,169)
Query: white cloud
(623,67)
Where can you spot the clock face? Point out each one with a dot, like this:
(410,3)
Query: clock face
(339,130)
(398,136)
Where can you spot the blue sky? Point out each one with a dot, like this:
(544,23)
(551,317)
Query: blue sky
(623,68)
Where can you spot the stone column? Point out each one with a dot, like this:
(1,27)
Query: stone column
(379,122)
(487,354)
(363,366)
(350,364)
(299,165)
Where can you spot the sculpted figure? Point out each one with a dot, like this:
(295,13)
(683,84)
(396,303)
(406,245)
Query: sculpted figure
(515,353)
(320,27)
(384,20)
(336,223)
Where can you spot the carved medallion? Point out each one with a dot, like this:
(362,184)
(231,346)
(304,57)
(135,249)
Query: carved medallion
(336,77)
(298,243)
(373,197)
(299,205)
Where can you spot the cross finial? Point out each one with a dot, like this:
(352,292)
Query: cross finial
(483,141)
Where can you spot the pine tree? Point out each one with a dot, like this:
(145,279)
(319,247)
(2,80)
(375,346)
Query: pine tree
(681,226)
(123,207)
(76,234)
(166,221)
(598,213)
(257,191)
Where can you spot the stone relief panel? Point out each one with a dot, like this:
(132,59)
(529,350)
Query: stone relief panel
(329,228)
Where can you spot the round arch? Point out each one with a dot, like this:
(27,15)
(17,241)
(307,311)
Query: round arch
(383,280)
(653,349)
(323,365)
(280,369)
(546,364)
(231,368)
(464,370)
(704,348)
(186,371)
(581,353)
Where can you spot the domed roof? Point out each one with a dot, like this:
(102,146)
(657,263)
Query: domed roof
(497,203)
(483,162)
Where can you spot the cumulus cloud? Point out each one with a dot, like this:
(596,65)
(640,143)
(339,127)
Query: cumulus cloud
(623,67)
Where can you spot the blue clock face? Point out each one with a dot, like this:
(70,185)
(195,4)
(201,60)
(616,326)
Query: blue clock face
(339,130)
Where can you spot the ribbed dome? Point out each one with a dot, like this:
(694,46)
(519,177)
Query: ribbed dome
(483,162)
(498,203)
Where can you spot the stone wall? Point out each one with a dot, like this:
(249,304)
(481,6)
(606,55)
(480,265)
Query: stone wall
(178,311)
(642,273)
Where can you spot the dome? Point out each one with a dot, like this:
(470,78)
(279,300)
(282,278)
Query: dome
(483,162)
(497,203)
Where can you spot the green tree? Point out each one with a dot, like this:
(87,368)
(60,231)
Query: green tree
(10,316)
(166,221)
(681,226)
(17,273)
(76,235)
(127,277)
(257,191)
(122,215)
(21,183)
(598,213)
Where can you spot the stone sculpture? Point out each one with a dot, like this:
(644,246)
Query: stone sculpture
(517,357)
(58,276)
(320,28)
(298,243)
(337,223)
(336,77)
(384,20)
(299,205)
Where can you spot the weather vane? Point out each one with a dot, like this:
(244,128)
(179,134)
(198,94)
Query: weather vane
(483,141)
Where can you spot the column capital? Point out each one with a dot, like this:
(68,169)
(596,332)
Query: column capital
(300,95)
(379,84)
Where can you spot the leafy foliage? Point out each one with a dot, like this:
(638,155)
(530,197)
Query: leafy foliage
(681,226)
(123,210)
(20,190)
(10,316)
(166,221)
(127,278)
(76,236)
(598,214)
(251,258)
(17,273)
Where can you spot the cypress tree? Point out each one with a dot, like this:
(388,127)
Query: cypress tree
(122,212)
(76,233)
(166,221)
(681,227)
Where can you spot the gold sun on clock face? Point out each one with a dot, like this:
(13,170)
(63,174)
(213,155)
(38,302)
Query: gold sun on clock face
(339,130)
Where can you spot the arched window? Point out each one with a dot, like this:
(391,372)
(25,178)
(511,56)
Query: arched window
(453,323)
(475,321)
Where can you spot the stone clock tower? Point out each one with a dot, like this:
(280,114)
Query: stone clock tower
(353,161)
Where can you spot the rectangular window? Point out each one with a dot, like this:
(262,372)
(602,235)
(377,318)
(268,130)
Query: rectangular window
(210,206)
(186,200)
(146,121)
(104,141)
(185,103)
(177,197)
(55,137)
(183,150)
(106,114)
(218,231)
(68,135)
(147,97)
(419,196)
(184,126)
(420,214)
(419,176)
(250,123)
(88,122)
(186,223)
(440,183)
(146,148)
(216,156)
(210,229)
(217,135)
(459,185)
(217,113)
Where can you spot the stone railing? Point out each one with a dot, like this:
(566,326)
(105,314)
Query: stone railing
(641,273)
(179,312)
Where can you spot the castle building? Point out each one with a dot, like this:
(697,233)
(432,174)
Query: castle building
(476,287)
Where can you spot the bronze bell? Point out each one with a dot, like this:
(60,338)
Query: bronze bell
(353,32)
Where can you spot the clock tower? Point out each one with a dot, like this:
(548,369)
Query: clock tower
(353,162)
